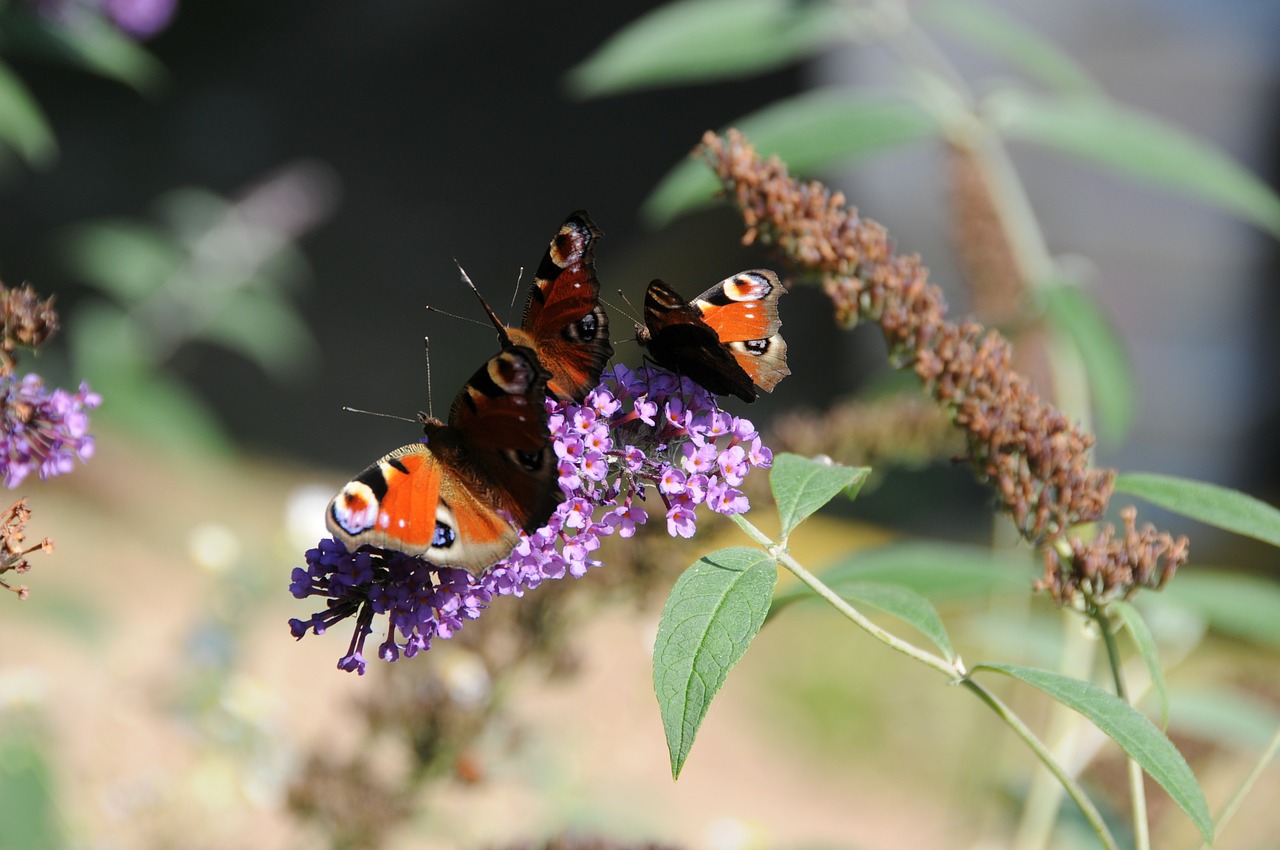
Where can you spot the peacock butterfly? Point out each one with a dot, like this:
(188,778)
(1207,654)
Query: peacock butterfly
(726,339)
(460,497)
(563,320)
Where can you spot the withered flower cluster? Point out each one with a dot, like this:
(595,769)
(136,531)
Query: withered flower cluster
(13,551)
(26,320)
(1027,450)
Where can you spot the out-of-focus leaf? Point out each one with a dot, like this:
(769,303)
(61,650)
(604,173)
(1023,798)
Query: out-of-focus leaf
(937,570)
(1221,507)
(104,340)
(905,604)
(1104,355)
(163,413)
(1137,145)
(991,30)
(89,42)
(256,324)
(1129,728)
(28,812)
(22,123)
(694,41)
(125,259)
(715,610)
(808,131)
(1243,606)
(801,486)
(1225,717)
(110,351)
(1146,644)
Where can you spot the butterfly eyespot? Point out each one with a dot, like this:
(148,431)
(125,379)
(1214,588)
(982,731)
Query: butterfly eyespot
(531,461)
(756,346)
(444,536)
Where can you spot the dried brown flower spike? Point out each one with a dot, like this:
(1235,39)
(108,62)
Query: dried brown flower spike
(1027,450)
(25,320)
(13,555)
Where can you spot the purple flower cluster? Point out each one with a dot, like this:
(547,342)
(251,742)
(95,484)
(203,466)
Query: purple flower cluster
(637,435)
(42,430)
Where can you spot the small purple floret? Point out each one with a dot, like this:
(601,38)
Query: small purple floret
(43,431)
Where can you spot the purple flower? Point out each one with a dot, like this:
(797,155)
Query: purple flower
(637,430)
(140,18)
(43,431)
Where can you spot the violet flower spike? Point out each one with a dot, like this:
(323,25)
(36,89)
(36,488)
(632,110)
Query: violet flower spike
(637,429)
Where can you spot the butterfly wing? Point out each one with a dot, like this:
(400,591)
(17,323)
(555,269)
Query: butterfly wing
(460,498)
(680,340)
(563,319)
(743,312)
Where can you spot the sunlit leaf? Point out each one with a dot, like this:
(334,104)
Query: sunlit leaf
(808,131)
(801,486)
(1105,358)
(1139,146)
(715,609)
(1218,506)
(1129,728)
(91,43)
(23,126)
(989,29)
(256,324)
(1146,644)
(903,603)
(125,259)
(694,41)
(1243,606)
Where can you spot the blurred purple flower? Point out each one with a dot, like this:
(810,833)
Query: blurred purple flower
(638,433)
(140,18)
(42,431)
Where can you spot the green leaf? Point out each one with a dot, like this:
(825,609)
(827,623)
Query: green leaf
(92,44)
(125,259)
(1139,146)
(28,810)
(808,131)
(259,325)
(1146,645)
(1244,606)
(716,607)
(1225,717)
(1129,728)
(989,29)
(695,41)
(801,486)
(23,126)
(906,605)
(1220,507)
(1105,358)
(935,570)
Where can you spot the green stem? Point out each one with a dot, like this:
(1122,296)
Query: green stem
(1137,789)
(954,672)
(1264,759)
(1090,812)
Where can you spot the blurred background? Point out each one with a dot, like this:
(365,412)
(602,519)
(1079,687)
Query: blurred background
(243,218)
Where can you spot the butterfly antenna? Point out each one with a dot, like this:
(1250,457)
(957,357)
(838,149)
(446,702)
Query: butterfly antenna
(515,293)
(347,409)
(431,309)
(493,317)
(628,313)
(630,306)
(426,350)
